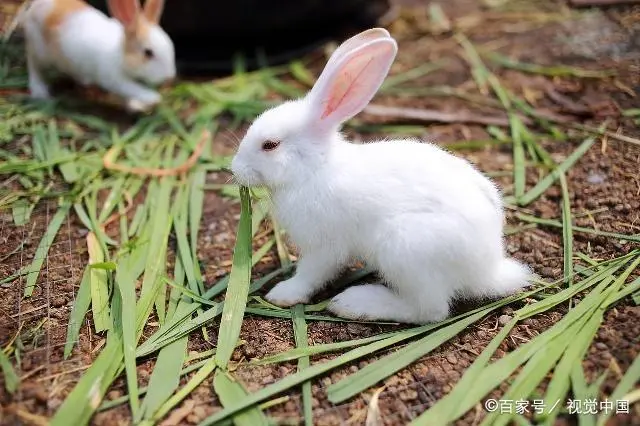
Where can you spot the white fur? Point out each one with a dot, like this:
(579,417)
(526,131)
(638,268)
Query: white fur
(91,50)
(428,221)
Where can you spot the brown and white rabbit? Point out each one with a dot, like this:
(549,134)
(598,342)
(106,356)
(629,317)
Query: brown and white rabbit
(116,54)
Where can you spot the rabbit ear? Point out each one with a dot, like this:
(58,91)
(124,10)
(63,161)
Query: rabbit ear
(127,12)
(153,10)
(355,42)
(346,86)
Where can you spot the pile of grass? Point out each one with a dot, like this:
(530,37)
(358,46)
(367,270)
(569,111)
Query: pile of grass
(126,281)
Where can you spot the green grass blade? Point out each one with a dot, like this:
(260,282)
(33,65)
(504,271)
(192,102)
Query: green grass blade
(567,232)
(229,391)
(238,288)
(519,164)
(318,369)
(165,378)
(581,393)
(99,285)
(196,204)
(443,409)
(308,351)
(85,398)
(156,251)
(126,286)
(561,381)
(33,270)
(11,379)
(535,192)
(78,312)
(556,224)
(390,364)
(193,383)
(300,334)
(178,329)
(628,382)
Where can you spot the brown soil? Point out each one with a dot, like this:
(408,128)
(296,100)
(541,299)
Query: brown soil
(605,194)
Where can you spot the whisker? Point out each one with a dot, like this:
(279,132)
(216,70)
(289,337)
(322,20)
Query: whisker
(231,137)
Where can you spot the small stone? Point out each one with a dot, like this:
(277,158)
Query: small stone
(41,395)
(268,379)
(58,302)
(451,358)
(595,178)
(114,394)
(504,319)
(353,369)
(409,395)
(199,412)
(601,346)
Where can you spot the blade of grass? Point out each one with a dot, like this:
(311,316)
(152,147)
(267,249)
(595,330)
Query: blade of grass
(519,164)
(33,270)
(554,71)
(238,288)
(318,369)
(556,224)
(390,364)
(126,286)
(231,391)
(567,232)
(444,408)
(581,393)
(193,383)
(560,381)
(464,397)
(628,382)
(544,184)
(165,378)
(11,379)
(78,312)
(99,286)
(300,334)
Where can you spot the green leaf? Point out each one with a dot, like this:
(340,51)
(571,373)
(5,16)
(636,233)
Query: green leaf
(567,232)
(78,312)
(99,285)
(390,364)
(11,379)
(238,288)
(300,334)
(230,391)
(535,192)
(165,378)
(193,383)
(33,270)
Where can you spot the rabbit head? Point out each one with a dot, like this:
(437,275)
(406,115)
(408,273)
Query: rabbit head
(149,54)
(294,138)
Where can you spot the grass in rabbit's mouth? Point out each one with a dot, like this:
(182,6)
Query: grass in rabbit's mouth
(143,286)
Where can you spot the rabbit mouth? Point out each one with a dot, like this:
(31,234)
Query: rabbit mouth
(248,178)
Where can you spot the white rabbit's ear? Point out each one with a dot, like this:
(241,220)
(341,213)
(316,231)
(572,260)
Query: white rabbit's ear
(347,85)
(153,10)
(355,42)
(127,12)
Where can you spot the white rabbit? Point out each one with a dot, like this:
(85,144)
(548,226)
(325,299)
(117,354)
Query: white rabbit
(115,54)
(428,221)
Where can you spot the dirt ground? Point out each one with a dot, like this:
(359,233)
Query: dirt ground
(605,194)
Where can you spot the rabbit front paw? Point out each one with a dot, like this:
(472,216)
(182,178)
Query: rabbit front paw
(137,105)
(289,293)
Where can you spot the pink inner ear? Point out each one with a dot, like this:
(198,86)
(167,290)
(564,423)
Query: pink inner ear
(126,11)
(349,83)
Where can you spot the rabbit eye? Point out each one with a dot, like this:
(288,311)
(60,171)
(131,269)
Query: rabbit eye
(148,53)
(270,145)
